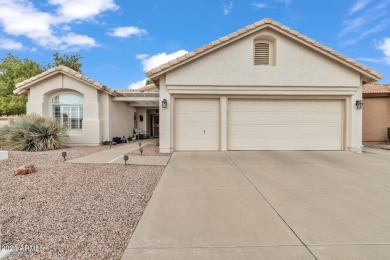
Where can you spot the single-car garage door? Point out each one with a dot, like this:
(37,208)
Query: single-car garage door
(285,124)
(196,124)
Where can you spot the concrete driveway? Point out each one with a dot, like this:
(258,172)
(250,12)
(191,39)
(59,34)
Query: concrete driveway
(268,205)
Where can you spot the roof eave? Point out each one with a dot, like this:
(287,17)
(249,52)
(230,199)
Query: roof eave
(23,88)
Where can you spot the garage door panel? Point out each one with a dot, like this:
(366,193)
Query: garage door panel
(195,118)
(210,118)
(196,124)
(285,124)
(292,118)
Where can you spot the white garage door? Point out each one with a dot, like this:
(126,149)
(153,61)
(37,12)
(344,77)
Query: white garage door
(196,124)
(285,124)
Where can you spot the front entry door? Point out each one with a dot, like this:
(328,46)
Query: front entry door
(155,124)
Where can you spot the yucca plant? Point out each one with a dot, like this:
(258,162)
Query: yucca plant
(33,133)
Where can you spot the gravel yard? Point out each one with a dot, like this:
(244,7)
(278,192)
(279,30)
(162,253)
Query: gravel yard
(71,211)
(149,150)
(384,146)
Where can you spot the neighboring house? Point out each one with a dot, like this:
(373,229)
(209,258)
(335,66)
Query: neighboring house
(263,87)
(376,112)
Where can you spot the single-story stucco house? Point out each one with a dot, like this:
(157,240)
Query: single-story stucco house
(263,87)
(376,112)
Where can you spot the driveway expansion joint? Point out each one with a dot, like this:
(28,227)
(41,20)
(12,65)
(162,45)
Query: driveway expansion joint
(351,244)
(211,247)
(258,190)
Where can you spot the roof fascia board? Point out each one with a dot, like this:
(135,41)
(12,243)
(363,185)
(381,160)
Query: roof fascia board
(26,86)
(374,95)
(146,99)
(329,55)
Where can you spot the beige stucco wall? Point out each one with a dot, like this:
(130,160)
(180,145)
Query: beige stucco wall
(142,112)
(39,101)
(146,112)
(229,72)
(166,119)
(121,119)
(103,118)
(376,119)
(296,65)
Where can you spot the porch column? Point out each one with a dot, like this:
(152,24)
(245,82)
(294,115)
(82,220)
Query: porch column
(166,142)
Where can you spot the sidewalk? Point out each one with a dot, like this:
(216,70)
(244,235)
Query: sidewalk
(115,155)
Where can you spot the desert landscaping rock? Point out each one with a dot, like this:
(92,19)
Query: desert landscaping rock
(72,211)
(25,169)
(385,146)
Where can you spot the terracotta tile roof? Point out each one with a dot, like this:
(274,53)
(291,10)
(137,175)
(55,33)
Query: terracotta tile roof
(24,86)
(126,90)
(265,23)
(376,89)
(147,88)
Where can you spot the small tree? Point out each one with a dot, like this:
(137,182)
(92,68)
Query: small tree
(148,82)
(70,61)
(12,71)
(13,105)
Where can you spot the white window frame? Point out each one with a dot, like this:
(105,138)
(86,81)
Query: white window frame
(74,112)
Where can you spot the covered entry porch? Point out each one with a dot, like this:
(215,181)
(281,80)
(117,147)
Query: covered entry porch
(146,115)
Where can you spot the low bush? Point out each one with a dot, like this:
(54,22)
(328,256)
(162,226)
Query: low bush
(33,133)
(388,134)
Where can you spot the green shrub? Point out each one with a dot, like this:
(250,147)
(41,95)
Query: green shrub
(388,134)
(33,133)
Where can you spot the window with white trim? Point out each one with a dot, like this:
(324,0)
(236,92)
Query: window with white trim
(68,110)
(264,50)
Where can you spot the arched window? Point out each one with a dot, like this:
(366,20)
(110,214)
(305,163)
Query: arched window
(68,110)
(264,50)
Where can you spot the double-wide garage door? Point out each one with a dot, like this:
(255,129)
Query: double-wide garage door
(259,124)
(285,125)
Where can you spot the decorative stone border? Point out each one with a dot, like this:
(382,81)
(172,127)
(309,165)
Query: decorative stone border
(3,155)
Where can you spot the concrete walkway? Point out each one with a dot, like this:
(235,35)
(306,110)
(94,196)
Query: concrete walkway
(115,155)
(268,205)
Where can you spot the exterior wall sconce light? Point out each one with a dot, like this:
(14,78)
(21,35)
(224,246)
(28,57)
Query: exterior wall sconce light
(359,104)
(164,103)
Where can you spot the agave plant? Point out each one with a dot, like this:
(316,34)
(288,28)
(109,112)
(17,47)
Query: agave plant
(33,133)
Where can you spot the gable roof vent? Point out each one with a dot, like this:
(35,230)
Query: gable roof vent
(261,53)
